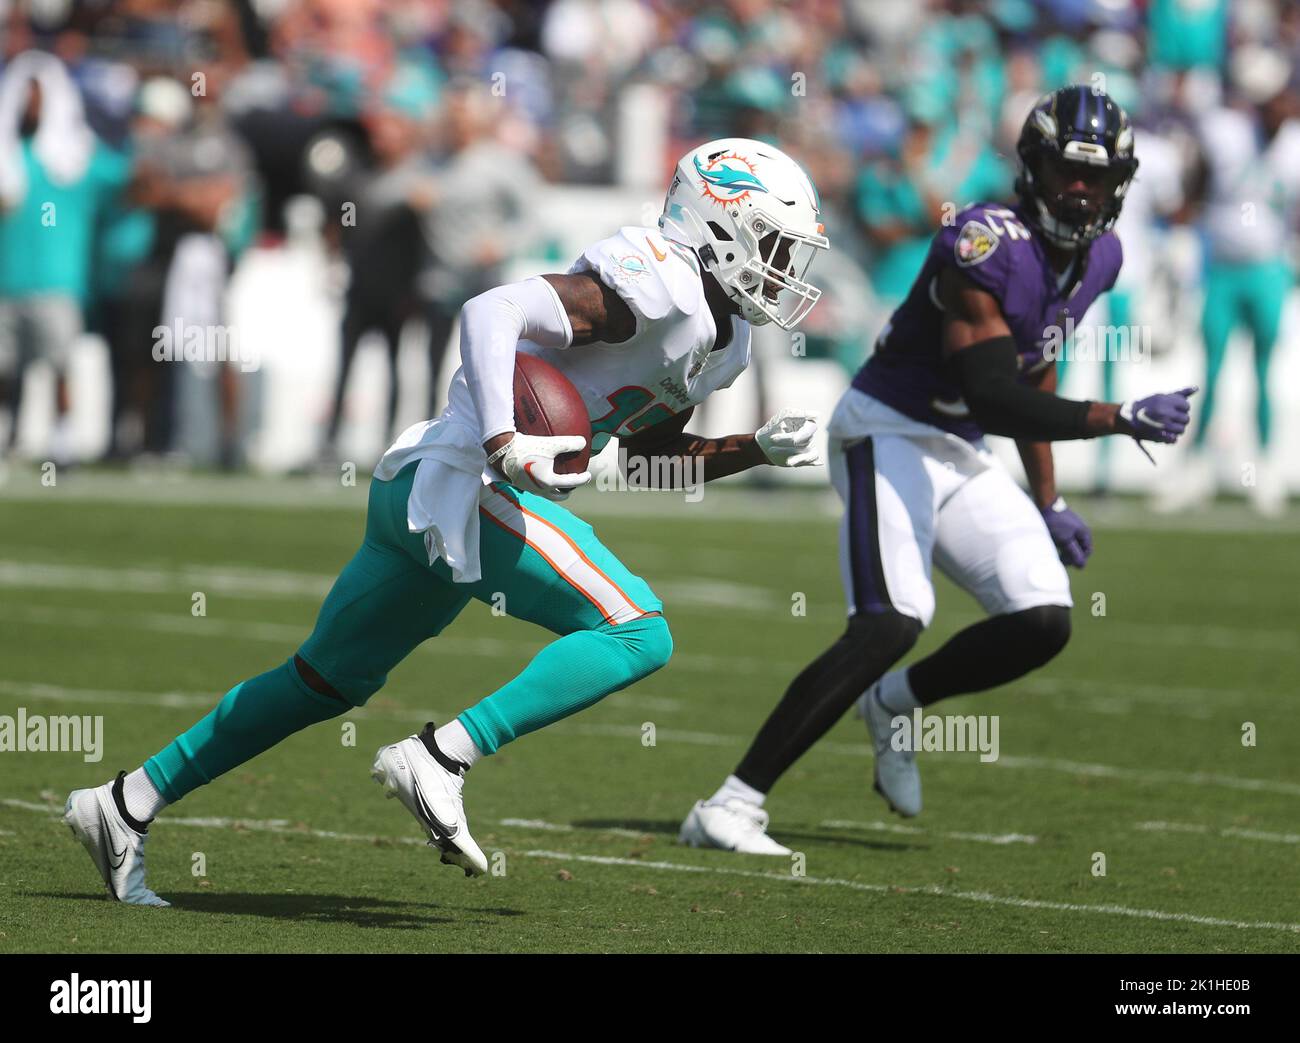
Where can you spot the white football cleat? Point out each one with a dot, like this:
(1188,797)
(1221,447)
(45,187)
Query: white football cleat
(1268,494)
(735,825)
(428,783)
(1192,486)
(897,777)
(115,846)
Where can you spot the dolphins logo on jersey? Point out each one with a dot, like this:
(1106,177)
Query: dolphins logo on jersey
(733,181)
(631,267)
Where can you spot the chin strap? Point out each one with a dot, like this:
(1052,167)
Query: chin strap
(1050,226)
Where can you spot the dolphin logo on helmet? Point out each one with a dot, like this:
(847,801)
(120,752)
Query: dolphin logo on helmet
(751,216)
(730,179)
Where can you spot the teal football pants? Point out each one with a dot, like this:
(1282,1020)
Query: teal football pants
(540,563)
(1250,295)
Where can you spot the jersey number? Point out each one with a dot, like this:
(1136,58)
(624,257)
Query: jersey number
(628,407)
(1005,222)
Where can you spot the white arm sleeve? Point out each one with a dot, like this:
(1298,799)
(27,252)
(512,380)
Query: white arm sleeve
(491,327)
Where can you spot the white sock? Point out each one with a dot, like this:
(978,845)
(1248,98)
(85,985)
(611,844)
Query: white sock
(60,446)
(733,787)
(141,796)
(896,693)
(455,742)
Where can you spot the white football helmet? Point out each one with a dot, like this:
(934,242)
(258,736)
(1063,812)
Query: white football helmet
(752,216)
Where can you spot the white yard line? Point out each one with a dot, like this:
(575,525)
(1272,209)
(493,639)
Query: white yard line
(687,592)
(1090,696)
(1152,775)
(281,826)
(186,701)
(937,892)
(1228,832)
(285,827)
(726,503)
(292,635)
(1141,776)
(271,825)
(894,827)
(662,735)
(235,580)
(542,826)
(256,584)
(59,693)
(173,623)
(1066,767)
(1169,698)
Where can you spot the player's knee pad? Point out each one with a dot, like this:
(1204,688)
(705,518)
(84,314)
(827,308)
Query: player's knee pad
(313,680)
(646,643)
(885,636)
(328,679)
(1045,630)
(655,643)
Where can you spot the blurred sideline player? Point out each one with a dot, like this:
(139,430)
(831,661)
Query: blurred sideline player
(646,324)
(1249,192)
(963,356)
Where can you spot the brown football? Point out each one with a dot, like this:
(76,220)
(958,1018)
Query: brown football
(547,403)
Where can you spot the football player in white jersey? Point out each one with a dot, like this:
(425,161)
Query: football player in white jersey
(646,324)
(1248,191)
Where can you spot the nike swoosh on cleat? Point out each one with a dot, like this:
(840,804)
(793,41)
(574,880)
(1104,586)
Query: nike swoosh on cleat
(117,859)
(442,829)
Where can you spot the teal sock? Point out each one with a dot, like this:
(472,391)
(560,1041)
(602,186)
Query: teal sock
(250,719)
(1263,404)
(569,675)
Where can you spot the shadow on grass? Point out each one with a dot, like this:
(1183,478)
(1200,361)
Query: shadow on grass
(838,838)
(845,838)
(357,911)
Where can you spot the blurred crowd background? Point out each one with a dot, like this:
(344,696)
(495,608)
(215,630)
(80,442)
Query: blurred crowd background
(238,232)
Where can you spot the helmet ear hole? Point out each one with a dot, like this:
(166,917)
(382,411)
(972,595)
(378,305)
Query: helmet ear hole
(724,198)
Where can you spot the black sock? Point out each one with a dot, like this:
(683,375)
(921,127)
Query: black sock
(431,744)
(991,653)
(119,798)
(826,688)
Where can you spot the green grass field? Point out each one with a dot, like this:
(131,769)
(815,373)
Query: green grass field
(1129,744)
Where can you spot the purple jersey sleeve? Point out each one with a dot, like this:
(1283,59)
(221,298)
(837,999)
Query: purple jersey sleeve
(993,247)
(981,243)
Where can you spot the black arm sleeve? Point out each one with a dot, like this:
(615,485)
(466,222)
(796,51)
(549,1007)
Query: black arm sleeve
(1002,405)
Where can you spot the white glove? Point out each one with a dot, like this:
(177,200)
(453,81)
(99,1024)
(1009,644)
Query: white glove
(786,439)
(528,462)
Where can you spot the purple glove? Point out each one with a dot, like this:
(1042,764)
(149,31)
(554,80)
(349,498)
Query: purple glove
(1069,532)
(1157,418)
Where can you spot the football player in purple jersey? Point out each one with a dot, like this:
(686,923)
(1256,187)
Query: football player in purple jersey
(969,352)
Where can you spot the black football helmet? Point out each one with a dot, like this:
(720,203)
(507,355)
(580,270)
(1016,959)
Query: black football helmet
(1076,164)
